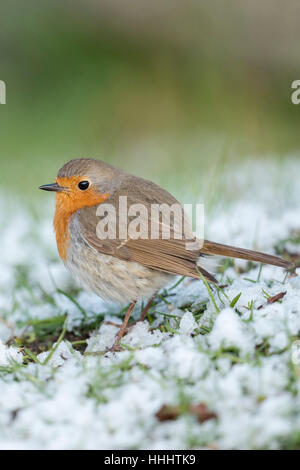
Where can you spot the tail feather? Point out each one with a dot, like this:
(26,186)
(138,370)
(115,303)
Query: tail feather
(208,276)
(212,248)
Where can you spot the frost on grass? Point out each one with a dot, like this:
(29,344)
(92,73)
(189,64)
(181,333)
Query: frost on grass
(196,374)
(9,355)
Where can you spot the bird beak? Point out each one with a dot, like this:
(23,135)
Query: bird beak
(52,187)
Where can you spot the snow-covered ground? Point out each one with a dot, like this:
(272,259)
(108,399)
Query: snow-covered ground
(220,374)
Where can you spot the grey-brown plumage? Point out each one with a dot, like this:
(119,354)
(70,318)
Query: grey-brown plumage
(128,269)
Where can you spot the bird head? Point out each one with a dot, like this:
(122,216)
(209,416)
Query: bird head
(83,182)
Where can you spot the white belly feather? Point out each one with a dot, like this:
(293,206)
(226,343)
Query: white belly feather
(110,277)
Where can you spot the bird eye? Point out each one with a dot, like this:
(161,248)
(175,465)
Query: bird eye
(83,185)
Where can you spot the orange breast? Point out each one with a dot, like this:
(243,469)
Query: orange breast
(67,203)
(61,226)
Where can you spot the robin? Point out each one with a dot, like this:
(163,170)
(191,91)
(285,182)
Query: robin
(126,268)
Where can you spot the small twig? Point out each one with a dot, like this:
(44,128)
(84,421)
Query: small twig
(273,299)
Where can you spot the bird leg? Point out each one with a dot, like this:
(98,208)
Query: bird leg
(146,308)
(124,329)
(116,346)
(141,318)
(143,314)
(106,322)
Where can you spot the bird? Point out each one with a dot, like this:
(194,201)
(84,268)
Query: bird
(127,267)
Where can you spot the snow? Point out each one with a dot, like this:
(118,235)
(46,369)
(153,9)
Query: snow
(8,355)
(242,361)
(61,354)
(187,324)
(230,332)
(5,332)
(141,336)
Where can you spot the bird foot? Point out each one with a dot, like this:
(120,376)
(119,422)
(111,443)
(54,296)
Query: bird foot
(106,322)
(114,348)
(129,328)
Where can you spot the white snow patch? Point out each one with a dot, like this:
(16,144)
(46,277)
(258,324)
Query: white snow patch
(9,355)
(230,332)
(62,353)
(141,336)
(187,324)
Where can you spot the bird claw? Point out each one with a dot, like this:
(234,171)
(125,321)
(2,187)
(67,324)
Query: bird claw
(127,329)
(114,348)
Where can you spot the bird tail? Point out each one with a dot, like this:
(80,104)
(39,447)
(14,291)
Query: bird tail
(211,248)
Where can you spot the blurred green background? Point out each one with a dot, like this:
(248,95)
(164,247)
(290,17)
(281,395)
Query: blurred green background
(168,90)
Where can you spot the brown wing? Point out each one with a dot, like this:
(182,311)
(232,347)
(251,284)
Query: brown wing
(168,255)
